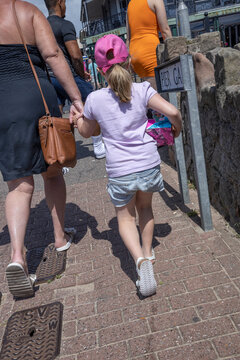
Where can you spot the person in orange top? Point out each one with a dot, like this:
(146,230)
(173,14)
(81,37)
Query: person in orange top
(145,18)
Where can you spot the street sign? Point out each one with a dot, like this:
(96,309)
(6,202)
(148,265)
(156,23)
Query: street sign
(171,78)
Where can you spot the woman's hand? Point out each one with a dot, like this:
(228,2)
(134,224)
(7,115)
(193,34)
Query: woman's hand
(76,111)
(75,120)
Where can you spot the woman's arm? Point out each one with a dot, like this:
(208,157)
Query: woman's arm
(158,7)
(160,105)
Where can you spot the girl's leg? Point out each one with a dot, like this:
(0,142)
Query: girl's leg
(55,191)
(146,220)
(126,216)
(18,203)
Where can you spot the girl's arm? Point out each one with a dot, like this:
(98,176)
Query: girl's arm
(160,105)
(85,126)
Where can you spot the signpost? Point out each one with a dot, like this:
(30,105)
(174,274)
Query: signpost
(171,77)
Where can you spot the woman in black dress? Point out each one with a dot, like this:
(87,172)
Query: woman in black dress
(20,151)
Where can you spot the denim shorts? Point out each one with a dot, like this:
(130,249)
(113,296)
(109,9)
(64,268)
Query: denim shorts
(122,189)
(85,89)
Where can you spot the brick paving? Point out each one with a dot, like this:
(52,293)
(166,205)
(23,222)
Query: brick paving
(196,311)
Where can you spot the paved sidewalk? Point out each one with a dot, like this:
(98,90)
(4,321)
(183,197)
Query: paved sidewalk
(196,311)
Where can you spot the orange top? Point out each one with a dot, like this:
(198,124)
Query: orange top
(144,37)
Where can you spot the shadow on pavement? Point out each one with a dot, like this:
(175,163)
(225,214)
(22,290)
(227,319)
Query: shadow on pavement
(83,150)
(40,233)
(175,202)
(40,230)
(118,248)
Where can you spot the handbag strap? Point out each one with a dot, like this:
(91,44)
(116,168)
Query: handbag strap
(32,66)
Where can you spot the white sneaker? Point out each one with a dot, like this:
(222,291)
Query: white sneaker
(99,150)
(146,282)
(151,258)
(65,170)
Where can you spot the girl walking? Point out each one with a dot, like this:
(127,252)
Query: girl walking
(132,159)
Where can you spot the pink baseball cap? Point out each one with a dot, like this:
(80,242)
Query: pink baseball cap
(106,44)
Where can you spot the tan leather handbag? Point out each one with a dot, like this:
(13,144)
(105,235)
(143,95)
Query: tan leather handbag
(56,134)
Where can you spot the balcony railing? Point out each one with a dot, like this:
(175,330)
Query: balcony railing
(194,6)
(103,25)
(100,26)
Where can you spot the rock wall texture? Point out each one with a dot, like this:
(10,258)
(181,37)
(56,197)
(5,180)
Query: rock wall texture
(217,75)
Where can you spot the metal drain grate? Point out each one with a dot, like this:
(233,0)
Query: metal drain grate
(33,334)
(46,263)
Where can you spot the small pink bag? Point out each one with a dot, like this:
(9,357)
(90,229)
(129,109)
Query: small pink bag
(160,130)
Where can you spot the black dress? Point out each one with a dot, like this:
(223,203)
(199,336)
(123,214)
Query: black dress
(21,106)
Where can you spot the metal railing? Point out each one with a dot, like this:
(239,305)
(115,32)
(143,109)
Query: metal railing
(103,25)
(194,6)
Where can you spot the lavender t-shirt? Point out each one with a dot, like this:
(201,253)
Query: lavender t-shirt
(129,148)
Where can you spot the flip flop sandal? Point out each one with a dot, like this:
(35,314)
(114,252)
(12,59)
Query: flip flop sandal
(33,278)
(71,232)
(152,258)
(20,285)
(146,283)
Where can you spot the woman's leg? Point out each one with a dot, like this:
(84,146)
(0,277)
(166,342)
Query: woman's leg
(151,80)
(126,216)
(55,191)
(18,203)
(146,220)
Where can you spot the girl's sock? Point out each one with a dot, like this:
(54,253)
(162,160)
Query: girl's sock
(97,139)
(98,147)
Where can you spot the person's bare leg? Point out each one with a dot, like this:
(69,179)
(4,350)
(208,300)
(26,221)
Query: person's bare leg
(146,220)
(151,80)
(17,206)
(55,191)
(126,216)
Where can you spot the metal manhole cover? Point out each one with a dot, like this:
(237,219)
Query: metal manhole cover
(46,262)
(33,334)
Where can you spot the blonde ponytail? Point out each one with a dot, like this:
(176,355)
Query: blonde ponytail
(120,81)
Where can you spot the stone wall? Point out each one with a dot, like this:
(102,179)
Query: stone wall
(217,75)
